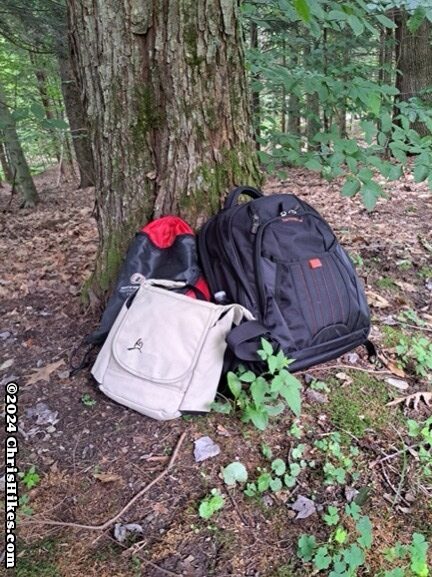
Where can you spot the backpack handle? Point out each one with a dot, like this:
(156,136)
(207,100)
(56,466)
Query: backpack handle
(233,196)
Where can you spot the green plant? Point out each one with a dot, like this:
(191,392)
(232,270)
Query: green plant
(414,557)
(234,473)
(415,353)
(88,400)
(266,394)
(423,433)
(281,474)
(211,504)
(30,479)
(344,552)
(410,316)
(338,461)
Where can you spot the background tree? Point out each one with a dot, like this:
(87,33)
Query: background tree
(20,171)
(167,99)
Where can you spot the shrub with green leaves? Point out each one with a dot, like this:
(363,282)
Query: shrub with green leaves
(259,397)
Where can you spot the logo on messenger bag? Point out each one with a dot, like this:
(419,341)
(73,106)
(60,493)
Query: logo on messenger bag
(137,346)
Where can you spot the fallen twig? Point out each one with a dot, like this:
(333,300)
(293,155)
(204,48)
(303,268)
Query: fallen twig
(112,520)
(393,455)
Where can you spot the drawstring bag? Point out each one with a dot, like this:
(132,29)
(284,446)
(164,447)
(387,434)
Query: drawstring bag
(164,354)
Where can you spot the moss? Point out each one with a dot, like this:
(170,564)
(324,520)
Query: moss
(148,113)
(283,571)
(359,406)
(213,179)
(425,272)
(386,283)
(392,336)
(36,561)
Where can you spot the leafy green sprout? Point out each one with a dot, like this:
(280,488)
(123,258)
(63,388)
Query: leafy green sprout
(415,352)
(30,478)
(339,461)
(211,504)
(88,400)
(260,397)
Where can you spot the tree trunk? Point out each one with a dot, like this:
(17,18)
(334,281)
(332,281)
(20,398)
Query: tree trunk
(166,96)
(414,63)
(42,83)
(256,105)
(20,171)
(76,116)
(5,164)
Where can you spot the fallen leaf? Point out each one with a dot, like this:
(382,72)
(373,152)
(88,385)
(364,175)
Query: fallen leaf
(414,400)
(205,448)
(391,366)
(7,364)
(344,378)
(222,431)
(305,507)
(398,383)
(377,301)
(44,373)
(107,477)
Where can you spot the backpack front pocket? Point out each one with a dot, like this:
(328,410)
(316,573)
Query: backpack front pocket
(316,294)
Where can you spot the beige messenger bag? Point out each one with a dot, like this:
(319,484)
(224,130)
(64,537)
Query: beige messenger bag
(164,353)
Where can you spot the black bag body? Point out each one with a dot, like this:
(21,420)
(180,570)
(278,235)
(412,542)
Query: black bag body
(279,258)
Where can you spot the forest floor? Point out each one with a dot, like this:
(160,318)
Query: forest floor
(84,457)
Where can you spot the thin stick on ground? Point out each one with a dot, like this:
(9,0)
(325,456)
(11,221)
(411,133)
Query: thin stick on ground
(112,520)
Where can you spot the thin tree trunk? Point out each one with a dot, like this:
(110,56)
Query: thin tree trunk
(293,100)
(19,166)
(76,116)
(41,83)
(256,105)
(5,164)
(414,63)
(167,99)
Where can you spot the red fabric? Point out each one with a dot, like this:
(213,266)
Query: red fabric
(202,286)
(315,263)
(163,231)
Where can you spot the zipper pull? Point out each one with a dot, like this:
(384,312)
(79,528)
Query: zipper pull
(255,223)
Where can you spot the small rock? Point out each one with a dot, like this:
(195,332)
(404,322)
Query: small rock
(121,531)
(429,284)
(410,497)
(305,507)
(350,494)
(43,414)
(398,383)
(267,501)
(205,448)
(5,335)
(352,358)
(63,374)
(308,378)
(3,483)
(316,397)
(51,429)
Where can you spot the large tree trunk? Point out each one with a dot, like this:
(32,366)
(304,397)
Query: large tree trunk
(21,175)
(256,105)
(414,63)
(76,117)
(165,90)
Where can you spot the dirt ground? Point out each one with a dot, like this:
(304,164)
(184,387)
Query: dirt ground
(92,455)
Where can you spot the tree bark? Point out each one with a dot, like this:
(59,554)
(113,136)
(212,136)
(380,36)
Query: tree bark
(414,63)
(20,171)
(5,164)
(165,91)
(77,122)
(256,105)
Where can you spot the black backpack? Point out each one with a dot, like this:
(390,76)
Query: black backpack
(279,258)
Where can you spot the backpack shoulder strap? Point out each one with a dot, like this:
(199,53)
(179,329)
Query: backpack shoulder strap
(243,340)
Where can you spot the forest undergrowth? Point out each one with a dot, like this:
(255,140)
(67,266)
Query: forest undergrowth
(347,486)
